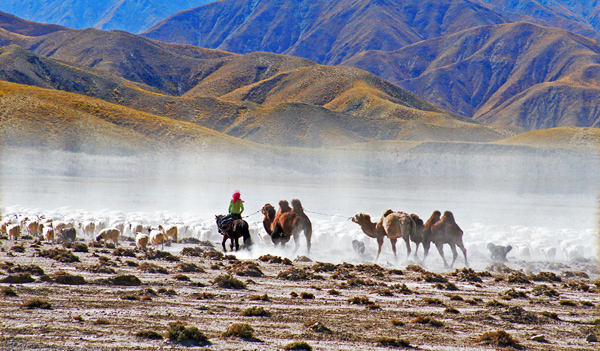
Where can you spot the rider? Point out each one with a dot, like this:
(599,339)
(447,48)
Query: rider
(236,206)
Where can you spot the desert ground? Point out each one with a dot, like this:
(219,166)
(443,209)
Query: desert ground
(102,297)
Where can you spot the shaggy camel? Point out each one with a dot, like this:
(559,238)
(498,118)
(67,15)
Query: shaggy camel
(397,225)
(370,229)
(442,231)
(304,223)
(285,223)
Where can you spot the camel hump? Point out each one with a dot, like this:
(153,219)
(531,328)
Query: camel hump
(387,213)
(297,205)
(284,206)
(449,216)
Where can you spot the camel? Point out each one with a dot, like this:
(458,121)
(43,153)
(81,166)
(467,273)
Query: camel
(442,231)
(392,224)
(285,223)
(370,229)
(304,223)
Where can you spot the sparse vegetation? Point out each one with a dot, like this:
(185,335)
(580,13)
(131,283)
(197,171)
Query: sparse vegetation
(148,267)
(60,255)
(298,346)
(498,338)
(18,278)
(264,297)
(360,300)
(148,334)
(256,311)
(8,291)
(307,295)
(427,320)
(186,335)
(392,342)
(229,282)
(241,330)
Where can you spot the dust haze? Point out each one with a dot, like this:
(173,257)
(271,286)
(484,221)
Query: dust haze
(529,199)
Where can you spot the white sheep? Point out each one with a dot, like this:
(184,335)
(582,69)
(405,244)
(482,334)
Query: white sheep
(157,237)
(109,234)
(170,232)
(141,241)
(549,252)
(89,228)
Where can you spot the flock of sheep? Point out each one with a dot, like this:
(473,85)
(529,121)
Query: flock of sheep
(52,230)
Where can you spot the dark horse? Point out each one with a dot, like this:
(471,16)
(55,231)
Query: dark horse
(233,229)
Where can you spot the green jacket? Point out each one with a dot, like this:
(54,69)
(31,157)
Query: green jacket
(236,207)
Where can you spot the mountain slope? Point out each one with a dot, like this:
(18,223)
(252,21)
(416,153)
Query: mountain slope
(323,31)
(130,16)
(519,74)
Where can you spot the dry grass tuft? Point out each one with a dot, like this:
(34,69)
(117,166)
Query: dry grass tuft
(241,330)
(427,320)
(189,336)
(264,297)
(18,278)
(256,311)
(148,334)
(393,342)
(498,338)
(8,291)
(360,300)
(36,303)
(189,268)
(307,295)
(298,346)
(148,267)
(60,255)
(228,282)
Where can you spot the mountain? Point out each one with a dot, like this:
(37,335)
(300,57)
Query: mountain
(517,74)
(581,17)
(130,16)
(324,31)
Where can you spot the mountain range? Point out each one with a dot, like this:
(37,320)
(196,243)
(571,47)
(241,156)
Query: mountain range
(499,71)
(131,16)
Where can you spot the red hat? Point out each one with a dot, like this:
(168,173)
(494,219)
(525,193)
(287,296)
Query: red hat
(236,196)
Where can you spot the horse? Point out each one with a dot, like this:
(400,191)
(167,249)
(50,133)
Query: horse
(234,230)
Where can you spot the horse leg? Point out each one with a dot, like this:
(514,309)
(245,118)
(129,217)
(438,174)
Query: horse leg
(440,248)
(454,254)
(237,244)
(223,243)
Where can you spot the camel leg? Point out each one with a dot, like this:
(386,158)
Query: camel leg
(393,242)
(407,242)
(380,243)
(296,241)
(464,251)
(417,251)
(426,246)
(223,243)
(440,248)
(308,235)
(454,254)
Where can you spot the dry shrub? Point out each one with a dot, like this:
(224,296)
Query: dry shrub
(552,315)
(228,282)
(468,275)
(544,289)
(62,277)
(148,334)
(125,279)
(433,277)
(181,277)
(100,268)
(383,292)
(498,338)
(321,267)
(307,295)
(302,259)
(189,336)
(342,273)
(204,296)
(214,255)
(298,346)
(168,292)
(264,297)
(513,294)
(571,274)
(433,301)
(60,255)
(8,291)
(18,248)
(275,259)
(296,274)
(192,241)
(456,298)
(18,278)
(189,268)
(495,303)
(397,322)
(152,268)
(360,282)
(567,303)
(451,310)
(333,292)
(518,277)
(78,318)
(76,247)
(241,330)
(36,303)
(516,314)
(546,277)
(392,342)
(256,311)
(130,263)
(124,252)
(373,306)
(106,261)
(161,255)
(403,289)
(427,320)
(193,251)
(246,269)
(415,268)
(294,294)
(360,300)
(396,271)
